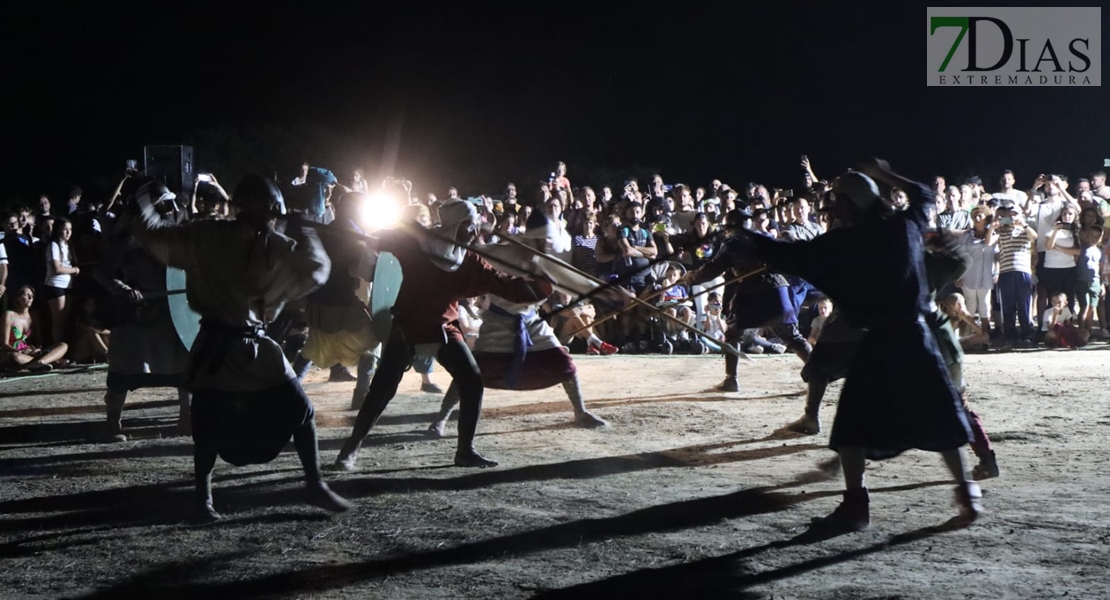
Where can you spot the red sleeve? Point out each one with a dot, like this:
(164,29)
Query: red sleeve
(482,278)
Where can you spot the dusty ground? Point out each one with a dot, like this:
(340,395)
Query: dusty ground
(692,494)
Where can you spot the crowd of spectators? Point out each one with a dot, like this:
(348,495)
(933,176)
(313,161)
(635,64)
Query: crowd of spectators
(1037,262)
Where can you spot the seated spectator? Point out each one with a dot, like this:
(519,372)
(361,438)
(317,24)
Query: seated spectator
(91,338)
(470,319)
(755,342)
(19,353)
(824,309)
(674,300)
(1059,327)
(575,330)
(971,335)
(713,322)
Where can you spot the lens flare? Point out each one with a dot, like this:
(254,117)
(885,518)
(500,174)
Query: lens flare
(380,211)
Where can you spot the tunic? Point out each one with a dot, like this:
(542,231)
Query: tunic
(246,399)
(427,305)
(516,348)
(145,350)
(897,394)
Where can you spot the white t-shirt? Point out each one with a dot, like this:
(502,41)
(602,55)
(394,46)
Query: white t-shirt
(61,254)
(1065,316)
(1019,197)
(1056,258)
(1043,216)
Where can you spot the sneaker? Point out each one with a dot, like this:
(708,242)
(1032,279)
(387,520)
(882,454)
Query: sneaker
(608,349)
(593,351)
(777,349)
(970,500)
(754,350)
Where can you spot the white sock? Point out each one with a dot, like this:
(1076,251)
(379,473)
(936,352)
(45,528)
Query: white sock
(594,341)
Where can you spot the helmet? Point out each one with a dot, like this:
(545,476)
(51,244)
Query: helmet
(257,194)
(736,217)
(859,188)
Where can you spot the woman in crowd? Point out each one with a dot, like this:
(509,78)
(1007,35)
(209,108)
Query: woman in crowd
(1061,251)
(980,244)
(18,351)
(60,270)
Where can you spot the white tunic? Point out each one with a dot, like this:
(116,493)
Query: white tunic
(499,333)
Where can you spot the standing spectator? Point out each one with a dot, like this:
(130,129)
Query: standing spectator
(1061,252)
(1043,211)
(358,182)
(302,177)
(584,246)
(44,206)
(59,276)
(1016,241)
(74,200)
(980,244)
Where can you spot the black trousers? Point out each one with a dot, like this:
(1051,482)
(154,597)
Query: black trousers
(397,356)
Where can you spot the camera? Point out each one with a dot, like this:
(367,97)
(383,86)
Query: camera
(1005,220)
(132,166)
(205,177)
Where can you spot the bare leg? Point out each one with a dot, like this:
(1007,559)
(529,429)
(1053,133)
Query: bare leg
(810,423)
(54,354)
(204,461)
(582,417)
(450,403)
(115,401)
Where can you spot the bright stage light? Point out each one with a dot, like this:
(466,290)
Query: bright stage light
(380,211)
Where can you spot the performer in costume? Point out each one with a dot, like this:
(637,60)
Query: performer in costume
(755,302)
(339,325)
(516,349)
(438,270)
(145,350)
(839,342)
(891,401)
(247,402)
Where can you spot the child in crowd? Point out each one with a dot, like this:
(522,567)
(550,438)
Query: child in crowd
(1089,277)
(824,309)
(674,300)
(714,323)
(1058,325)
(971,335)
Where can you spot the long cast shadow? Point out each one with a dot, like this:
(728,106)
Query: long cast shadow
(174,582)
(721,576)
(667,517)
(50,411)
(154,504)
(50,392)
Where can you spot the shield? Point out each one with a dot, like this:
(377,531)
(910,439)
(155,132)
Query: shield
(186,321)
(383,294)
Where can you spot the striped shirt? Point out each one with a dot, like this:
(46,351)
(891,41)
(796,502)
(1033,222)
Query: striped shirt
(1014,248)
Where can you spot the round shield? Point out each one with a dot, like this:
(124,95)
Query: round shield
(185,320)
(383,294)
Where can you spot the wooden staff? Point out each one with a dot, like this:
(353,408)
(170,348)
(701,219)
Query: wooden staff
(724,346)
(656,293)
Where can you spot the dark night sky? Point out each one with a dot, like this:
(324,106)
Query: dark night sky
(492,94)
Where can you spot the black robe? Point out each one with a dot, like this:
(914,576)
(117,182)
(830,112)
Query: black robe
(897,394)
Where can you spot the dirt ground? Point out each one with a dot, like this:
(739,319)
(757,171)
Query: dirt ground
(691,494)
